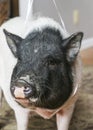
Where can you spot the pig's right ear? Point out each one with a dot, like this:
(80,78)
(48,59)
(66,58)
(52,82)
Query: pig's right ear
(13,42)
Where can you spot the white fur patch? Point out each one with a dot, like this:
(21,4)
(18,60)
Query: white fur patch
(36,50)
(27,78)
(43,22)
(33,99)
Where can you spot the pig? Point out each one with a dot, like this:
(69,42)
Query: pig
(46,74)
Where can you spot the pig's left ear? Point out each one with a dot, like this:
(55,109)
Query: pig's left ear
(72,46)
(13,42)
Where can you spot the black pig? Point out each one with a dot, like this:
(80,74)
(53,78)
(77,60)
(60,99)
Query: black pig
(44,68)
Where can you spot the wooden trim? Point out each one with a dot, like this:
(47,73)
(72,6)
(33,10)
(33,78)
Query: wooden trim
(4,11)
(14,8)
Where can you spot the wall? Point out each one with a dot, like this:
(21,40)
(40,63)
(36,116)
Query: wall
(67,7)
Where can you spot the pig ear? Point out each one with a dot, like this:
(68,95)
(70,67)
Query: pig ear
(13,41)
(72,46)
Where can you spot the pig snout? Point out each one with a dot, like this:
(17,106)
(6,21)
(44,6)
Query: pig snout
(22,89)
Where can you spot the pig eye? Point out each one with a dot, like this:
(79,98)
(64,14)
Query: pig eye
(51,62)
(54,63)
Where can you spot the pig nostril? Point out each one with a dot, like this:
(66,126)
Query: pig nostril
(27,90)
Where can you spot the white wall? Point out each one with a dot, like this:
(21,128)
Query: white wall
(66,7)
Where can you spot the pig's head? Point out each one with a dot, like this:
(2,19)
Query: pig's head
(44,67)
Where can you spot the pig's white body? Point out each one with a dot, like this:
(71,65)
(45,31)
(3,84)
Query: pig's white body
(7,63)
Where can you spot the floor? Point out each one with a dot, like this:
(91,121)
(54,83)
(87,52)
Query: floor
(82,118)
(87,56)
